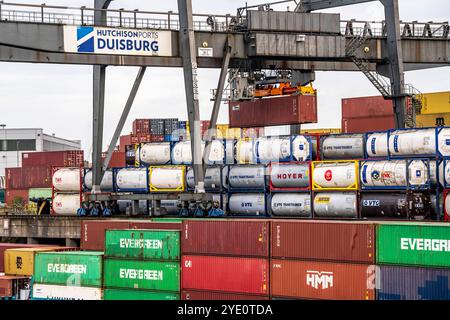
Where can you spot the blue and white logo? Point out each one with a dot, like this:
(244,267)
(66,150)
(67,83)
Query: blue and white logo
(85,39)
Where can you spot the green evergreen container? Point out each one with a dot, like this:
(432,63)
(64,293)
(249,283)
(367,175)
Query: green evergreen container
(123,294)
(145,275)
(143,244)
(39,193)
(423,244)
(69,268)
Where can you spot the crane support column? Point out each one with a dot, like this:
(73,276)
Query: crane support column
(99,76)
(395,54)
(190,68)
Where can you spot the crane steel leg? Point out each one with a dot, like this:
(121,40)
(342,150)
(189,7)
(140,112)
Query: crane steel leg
(189,56)
(215,112)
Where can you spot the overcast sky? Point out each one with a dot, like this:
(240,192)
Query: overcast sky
(59,98)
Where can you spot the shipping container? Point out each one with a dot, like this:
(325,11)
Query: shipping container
(10,285)
(93,232)
(437,102)
(72,158)
(218,296)
(157,224)
(410,283)
(248,238)
(415,244)
(273,111)
(433,120)
(21,262)
(226,274)
(368,124)
(143,245)
(123,294)
(16,197)
(118,160)
(55,292)
(323,240)
(69,268)
(29,177)
(146,275)
(124,141)
(37,193)
(365,107)
(6,246)
(141,126)
(322,280)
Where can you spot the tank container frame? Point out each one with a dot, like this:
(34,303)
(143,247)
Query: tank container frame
(273,189)
(353,187)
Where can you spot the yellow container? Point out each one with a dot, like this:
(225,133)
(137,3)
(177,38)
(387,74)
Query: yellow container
(433,120)
(222,130)
(338,175)
(20,262)
(437,102)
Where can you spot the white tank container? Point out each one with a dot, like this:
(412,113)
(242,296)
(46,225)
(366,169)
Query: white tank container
(334,175)
(247,177)
(67,179)
(273,149)
(182,153)
(290,176)
(336,204)
(377,144)
(252,204)
(107,181)
(417,142)
(154,153)
(337,147)
(301,148)
(291,204)
(212,178)
(66,204)
(393,173)
(167,178)
(132,179)
(244,152)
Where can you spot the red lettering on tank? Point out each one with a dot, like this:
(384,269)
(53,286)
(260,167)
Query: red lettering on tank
(328,175)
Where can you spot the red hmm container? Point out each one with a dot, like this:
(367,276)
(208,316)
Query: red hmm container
(273,111)
(7,246)
(72,158)
(29,177)
(368,124)
(249,238)
(210,295)
(364,107)
(322,280)
(10,195)
(93,232)
(323,240)
(225,274)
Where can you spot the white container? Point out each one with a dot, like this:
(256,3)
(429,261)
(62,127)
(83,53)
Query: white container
(334,175)
(290,176)
(247,177)
(66,204)
(107,181)
(132,179)
(53,292)
(338,147)
(244,152)
(393,173)
(377,144)
(291,204)
(301,148)
(154,153)
(252,204)
(182,152)
(417,142)
(274,149)
(166,178)
(67,179)
(213,178)
(336,204)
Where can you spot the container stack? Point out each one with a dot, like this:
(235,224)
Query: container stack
(225,260)
(413,261)
(322,260)
(142,265)
(67,190)
(68,276)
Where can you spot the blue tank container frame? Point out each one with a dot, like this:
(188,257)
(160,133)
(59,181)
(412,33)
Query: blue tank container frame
(232,189)
(287,217)
(246,216)
(221,162)
(372,145)
(137,190)
(344,135)
(291,157)
(274,189)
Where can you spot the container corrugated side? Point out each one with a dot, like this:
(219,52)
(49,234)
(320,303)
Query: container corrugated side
(93,232)
(21,262)
(6,246)
(56,292)
(123,294)
(214,295)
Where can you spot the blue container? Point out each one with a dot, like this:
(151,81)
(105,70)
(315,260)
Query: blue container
(131,190)
(408,283)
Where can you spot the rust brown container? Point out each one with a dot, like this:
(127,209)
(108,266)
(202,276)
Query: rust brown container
(322,280)
(368,124)
(16,195)
(323,240)
(150,225)
(273,111)
(248,238)
(93,232)
(71,158)
(211,295)
(364,107)
(29,177)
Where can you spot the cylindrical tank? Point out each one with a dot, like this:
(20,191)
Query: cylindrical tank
(67,179)
(291,204)
(154,153)
(66,204)
(417,142)
(213,178)
(167,178)
(334,175)
(301,148)
(290,176)
(384,205)
(443,142)
(337,147)
(132,179)
(252,204)
(107,181)
(244,152)
(377,144)
(247,177)
(270,149)
(182,153)
(336,205)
